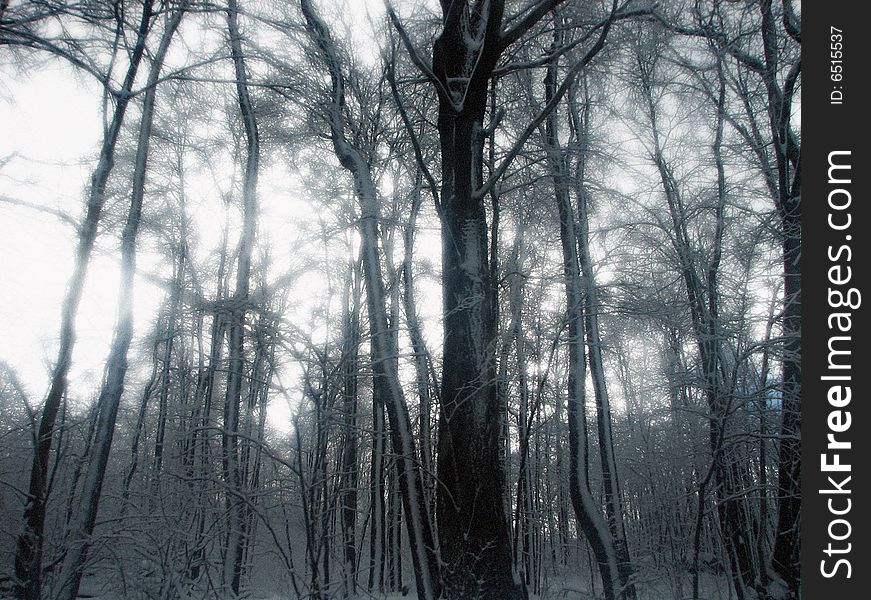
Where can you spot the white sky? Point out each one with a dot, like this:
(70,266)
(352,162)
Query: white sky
(50,128)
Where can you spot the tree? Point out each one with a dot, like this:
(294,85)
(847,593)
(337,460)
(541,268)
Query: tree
(386,378)
(20,31)
(116,365)
(471,513)
(768,55)
(236,526)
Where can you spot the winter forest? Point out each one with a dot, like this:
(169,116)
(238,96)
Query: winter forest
(455,299)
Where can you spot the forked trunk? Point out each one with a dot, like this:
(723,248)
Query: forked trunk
(28,552)
(82,525)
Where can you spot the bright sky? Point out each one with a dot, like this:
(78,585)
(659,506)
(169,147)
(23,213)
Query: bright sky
(50,128)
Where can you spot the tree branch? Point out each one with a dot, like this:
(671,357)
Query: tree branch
(64,217)
(550,106)
(417,60)
(532,17)
(415,142)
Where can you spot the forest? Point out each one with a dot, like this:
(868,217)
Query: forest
(455,299)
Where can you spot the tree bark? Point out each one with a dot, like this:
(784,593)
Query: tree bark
(473,525)
(785,559)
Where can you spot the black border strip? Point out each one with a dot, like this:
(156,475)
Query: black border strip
(834,119)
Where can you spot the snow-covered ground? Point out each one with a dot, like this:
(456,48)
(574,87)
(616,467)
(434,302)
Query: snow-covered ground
(568,587)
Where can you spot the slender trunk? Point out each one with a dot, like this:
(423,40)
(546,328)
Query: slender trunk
(139,429)
(236,537)
(586,509)
(163,377)
(385,374)
(386,378)
(515,335)
(605,537)
(377,504)
(762,538)
(349,448)
(610,480)
(703,300)
(82,526)
(163,403)
(29,548)
(422,358)
(394,531)
(305,496)
(258,396)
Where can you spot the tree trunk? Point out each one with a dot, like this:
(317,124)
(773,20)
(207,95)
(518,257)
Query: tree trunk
(377,547)
(473,526)
(610,480)
(350,435)
(787,151)
(586,509)
(82,526)
(29,548)
(422,358)
(236,536)
(387,385)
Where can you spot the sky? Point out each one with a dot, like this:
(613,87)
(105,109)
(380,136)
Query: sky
(50,129)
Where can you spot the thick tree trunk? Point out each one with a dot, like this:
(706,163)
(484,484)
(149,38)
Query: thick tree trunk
(473,525)
(82,526)
(787,151)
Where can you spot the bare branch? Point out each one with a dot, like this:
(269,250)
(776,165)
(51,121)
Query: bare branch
(415,142)
(61,215)
(532,17)
(416,58)
(550,106)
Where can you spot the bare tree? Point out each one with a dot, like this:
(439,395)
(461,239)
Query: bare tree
(83,523)
(29,550)
(236,527)
(386,378)
(471,511)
